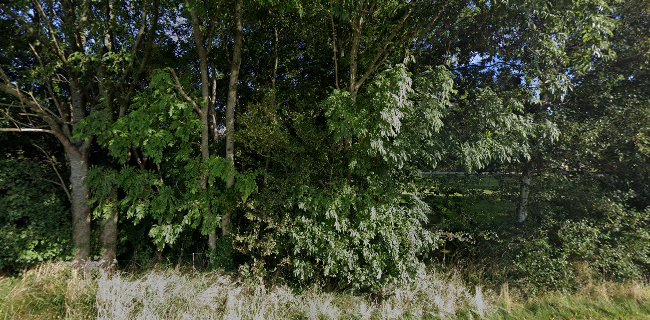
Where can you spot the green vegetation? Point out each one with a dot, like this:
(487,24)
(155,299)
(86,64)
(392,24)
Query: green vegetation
(57,291)
(314,157)
(34,226)
(602,301)
(52,291)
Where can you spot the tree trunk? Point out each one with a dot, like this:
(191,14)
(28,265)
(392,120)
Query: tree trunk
(335,52)
(354,53)
(205,112)
(212,241)
(109,242)
(80,210)
(524,191)
(226,226)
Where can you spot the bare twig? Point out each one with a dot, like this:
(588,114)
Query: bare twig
(52,161)
(48,84)
(50,29)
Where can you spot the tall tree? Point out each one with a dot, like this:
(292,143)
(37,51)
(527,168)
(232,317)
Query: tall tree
(202,34)
(235,63)
(55,89)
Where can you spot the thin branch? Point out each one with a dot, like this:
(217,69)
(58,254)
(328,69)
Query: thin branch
(335,52)
(143,27)
(15,91)
(130,89)
(203,58)
(4,77)
(48,83)
(50,28)
(384,51)
(17,124)
(213,92)
(211,29)
(54,125)
(83,23)
(354,53)
(35,101)
(29,114)
(11,105)
(434,20)
(150,38)
(52,161)
(39,130)
(276,59)
(180,89)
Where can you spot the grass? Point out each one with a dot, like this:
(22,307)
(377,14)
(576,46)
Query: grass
(599,301)
(51,291)
(55,291)
(170,294)
(6,285)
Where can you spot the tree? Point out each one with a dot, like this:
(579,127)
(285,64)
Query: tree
(54,89)
(235,63)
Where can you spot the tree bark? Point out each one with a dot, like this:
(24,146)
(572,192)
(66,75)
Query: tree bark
(335,52)
(109,242)
(78,160)
(354,53)
(524,191)
(204,114)
(226,226)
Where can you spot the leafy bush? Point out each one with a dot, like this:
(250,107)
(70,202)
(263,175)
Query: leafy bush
(35,223)
(350,238)
(344,211)
(608,241)
(538,265)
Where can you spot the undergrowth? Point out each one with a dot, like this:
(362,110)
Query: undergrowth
(56,291)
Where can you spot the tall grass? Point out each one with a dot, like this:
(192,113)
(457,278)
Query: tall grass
(56,291)
(604,300)
(51,291)
(173,295)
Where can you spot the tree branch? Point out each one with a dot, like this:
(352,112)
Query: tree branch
(26,130)
(384,51)
(334,52)
(51,160)
(180,89)
(54,125)
(354,53)
(48,84)
(50,29)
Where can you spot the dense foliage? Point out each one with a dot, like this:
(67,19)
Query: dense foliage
(347,143)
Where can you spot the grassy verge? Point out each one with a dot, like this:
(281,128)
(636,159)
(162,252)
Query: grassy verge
(51,291)
(600,301)
(55,291)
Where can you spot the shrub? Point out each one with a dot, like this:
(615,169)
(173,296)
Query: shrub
(35,221)
(347,238)
(613,243)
